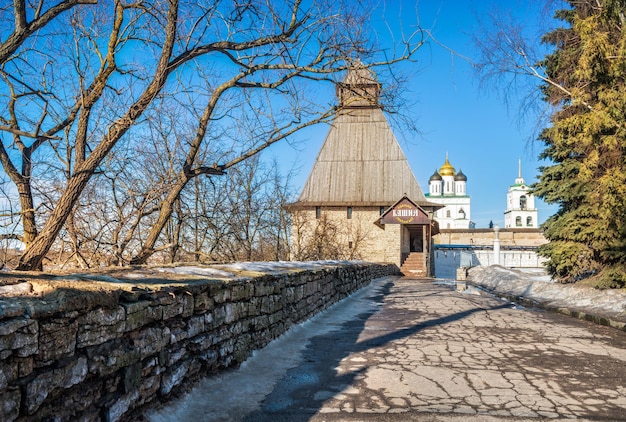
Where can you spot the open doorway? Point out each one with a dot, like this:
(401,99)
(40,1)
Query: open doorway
(416,241)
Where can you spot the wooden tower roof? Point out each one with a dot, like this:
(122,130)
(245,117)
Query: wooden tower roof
(360,162)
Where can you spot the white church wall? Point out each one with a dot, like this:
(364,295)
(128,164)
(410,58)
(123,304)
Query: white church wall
(450,216)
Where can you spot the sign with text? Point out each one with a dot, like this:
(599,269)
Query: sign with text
(405,212)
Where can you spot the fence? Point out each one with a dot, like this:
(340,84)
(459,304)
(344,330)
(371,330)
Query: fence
(450,257)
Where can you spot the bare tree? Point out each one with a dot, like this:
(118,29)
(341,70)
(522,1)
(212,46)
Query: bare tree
(88,84)
(329,235)
(511,59)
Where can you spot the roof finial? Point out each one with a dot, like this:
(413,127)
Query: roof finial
(447,169)
(520,179)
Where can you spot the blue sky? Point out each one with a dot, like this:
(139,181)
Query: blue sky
(481,135)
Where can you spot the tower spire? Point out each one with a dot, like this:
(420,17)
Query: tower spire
(520,179)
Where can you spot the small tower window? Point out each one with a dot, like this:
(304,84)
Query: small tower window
(382,210)
(522,202)
(518,221)
(529,221)
(318,212)
(349,213)
(448,214)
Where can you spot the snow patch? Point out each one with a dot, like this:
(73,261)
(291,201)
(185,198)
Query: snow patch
(191,270)
(281,266)
(538,286)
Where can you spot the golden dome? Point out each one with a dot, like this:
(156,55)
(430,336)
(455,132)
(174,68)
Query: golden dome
(447,169)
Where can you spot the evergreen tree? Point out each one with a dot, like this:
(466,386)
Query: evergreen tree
(586,144)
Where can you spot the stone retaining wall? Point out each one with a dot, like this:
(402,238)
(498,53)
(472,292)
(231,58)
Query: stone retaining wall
(103,354)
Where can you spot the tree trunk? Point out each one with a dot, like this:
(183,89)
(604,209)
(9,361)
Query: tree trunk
(167,208)
(33,257)
(28,212)
(32,260)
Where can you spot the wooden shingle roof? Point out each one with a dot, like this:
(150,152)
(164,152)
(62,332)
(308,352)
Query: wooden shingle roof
(361,162)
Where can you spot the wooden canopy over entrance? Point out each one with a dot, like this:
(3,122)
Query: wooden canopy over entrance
(405,211)
(416,235)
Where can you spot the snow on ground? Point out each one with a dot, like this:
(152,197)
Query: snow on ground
(273,361)
(280,266)
(193,270)
(536,285)
(212,398)
(221,271)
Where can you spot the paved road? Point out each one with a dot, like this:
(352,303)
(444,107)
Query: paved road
(423,351)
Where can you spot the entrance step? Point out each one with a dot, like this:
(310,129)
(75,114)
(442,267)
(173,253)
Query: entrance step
(414,265)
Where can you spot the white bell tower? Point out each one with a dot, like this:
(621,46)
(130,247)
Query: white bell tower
(520,204)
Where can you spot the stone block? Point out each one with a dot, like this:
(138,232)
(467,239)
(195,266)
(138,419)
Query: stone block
(221,295)
(195,325)
(107,358)
(178,330)
(176,356)
(173,377)
(132,377)
(57,379)
(25,366)
(263,288)
(261,322)
(230,313)
(10,326)
(209,357)
(57,339)
(219,315)
(254,307)
(141,313)
(117,409)
(299,293)
(242,291)
(180,305)
(100,325)
(149,387)
(289,295)
(151,341)
(201,344)
(209,320)
(19,336)
(203,302)
(10,404)
(8,373)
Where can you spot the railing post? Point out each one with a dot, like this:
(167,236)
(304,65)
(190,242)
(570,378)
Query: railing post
(496,245)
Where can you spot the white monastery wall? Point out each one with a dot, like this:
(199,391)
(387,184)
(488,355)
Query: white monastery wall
(447,261)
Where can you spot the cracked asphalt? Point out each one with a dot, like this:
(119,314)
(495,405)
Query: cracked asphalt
(430,353)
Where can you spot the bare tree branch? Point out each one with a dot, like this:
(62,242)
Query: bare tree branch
(24,29)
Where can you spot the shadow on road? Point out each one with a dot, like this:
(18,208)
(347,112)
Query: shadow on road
(301,393)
